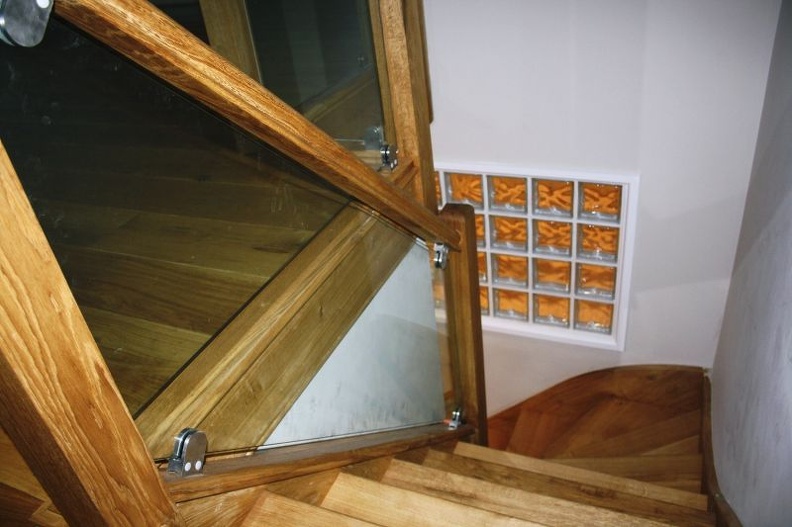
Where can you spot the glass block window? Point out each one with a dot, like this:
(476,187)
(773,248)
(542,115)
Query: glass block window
(553,250)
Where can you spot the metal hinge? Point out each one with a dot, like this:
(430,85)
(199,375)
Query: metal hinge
(456,418)
(23,22)
(440,255)
(189,453)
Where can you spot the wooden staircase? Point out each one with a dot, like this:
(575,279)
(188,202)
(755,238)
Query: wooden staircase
(459,484)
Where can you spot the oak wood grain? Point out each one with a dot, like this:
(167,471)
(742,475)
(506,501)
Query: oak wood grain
(58,402)
(273,509)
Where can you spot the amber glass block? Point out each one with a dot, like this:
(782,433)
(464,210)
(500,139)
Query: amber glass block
(465,188)
(598,242)
(600,202)
(593,316)
(480,241)
(552,237)
(552,310)
(596,280)
(438,190)
(553,198)
(552,275)
(482,266)
(511,304)
(509,233)
(484,300)
(508,193)
(510,269)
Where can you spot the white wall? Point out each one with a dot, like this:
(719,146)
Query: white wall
(670,89)
(752,375)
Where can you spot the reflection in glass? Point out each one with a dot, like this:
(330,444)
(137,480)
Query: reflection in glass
(600,202)
(508,193)
(597,242)
(508,233)
(164,219)
(596,280)
(551,310)
(465,188)
(552,275)
(552,237)
(552,197)
(510,304)
(593,316)
(512,270)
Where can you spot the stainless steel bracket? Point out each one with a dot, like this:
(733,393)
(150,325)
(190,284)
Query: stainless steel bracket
(440,255)
(23,22)
(189,453)
(456,418)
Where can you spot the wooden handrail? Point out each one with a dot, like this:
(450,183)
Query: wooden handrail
(148,37)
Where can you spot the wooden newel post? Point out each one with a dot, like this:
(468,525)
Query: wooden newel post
(464,319)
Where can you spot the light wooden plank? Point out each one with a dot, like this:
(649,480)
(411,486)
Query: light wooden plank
(57,398)
(229,33)
(583,476)
(571,490)
(464,320)
(395,507)
(643,468)
(192,67)
(690,445)
(508,501)
(225,509)
(272,509)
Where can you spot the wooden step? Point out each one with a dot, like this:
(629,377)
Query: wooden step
(571,472)
(586,493)
(395,507)
(683,471)
(273,509)
(642,439)
(535,431)
(688,446)
(504,500)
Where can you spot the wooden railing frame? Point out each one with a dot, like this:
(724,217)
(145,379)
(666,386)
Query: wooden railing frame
(68,398)
(155,42)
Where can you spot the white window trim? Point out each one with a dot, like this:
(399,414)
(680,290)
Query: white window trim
(616,340)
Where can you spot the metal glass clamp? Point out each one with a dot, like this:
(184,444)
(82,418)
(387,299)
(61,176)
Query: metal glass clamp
(189,453)
(440,255)
(23,22)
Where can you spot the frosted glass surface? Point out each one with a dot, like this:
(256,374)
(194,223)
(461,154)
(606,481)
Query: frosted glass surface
(385,373)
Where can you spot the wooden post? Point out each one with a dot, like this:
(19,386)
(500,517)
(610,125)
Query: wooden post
(464,319)
(58,402)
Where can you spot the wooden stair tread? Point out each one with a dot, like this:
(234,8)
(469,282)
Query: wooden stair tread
(273,509)
(508,501)
(642,439)
(581,475)
(690,445)
(643,468)
(394,507)
(535,430)
(571,490)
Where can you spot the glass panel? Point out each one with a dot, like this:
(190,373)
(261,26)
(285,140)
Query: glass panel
(600,202)
(508,193)
(511,270)
(596,280)
(552,237)
(164,219)
(553,198)
(551,310)
(364,388)
(597,242)
(593,316)
(318,56)
(552,275)
(465,188)
(511,304)
(509,233)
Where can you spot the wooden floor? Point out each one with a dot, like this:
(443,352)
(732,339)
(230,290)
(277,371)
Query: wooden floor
(637,422)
